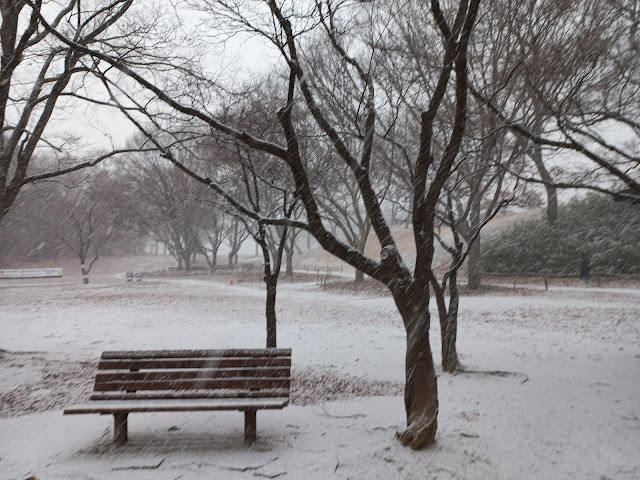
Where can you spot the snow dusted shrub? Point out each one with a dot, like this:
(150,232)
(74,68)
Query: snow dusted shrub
(608,232)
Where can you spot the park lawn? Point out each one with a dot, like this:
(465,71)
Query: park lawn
(556,393)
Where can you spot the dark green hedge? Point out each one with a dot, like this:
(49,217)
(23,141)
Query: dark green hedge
(608,232)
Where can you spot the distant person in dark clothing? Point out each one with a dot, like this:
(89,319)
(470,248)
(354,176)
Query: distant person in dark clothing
(585,269)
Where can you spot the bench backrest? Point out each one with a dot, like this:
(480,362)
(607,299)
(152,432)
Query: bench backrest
(163,374)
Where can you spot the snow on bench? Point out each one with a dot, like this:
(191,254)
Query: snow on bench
(189,380)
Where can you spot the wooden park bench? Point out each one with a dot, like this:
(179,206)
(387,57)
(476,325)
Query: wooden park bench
(189,380)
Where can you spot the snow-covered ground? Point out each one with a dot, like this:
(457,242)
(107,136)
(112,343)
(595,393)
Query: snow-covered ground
(570,408)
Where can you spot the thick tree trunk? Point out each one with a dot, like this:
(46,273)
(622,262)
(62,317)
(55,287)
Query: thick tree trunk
(272,289)
(421,388)
(450,360)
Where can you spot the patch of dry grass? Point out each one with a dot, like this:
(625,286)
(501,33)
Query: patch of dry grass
(59,384)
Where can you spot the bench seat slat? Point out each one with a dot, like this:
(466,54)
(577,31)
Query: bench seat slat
(132,406)
(194,384)
(238,352)
(200,374)
(189,362)
(189,394)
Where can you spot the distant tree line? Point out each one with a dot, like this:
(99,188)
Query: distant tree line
(149,207)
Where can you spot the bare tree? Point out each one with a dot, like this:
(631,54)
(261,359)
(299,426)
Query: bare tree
(40,78)
(267,193)
(87,215)
(471,199)
(237,235)
(286,29)
(216,228)
(167,205)
(586,105)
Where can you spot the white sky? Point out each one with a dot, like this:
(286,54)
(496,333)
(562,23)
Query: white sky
(102,127)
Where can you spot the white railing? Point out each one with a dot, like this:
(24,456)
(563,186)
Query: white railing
(30,272)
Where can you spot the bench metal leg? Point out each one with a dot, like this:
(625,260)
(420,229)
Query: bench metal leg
(249,427)
(120,428)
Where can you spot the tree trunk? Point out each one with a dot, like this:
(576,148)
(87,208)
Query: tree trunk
(473,266)
(271,280)
(450,361)
(360,246)
(288,252)
(448,328)
(421,388)
(212,261)
(552,194)
(6,200)
(474,274)
(552,204)
(289,264)
(85,274)
(272,288)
